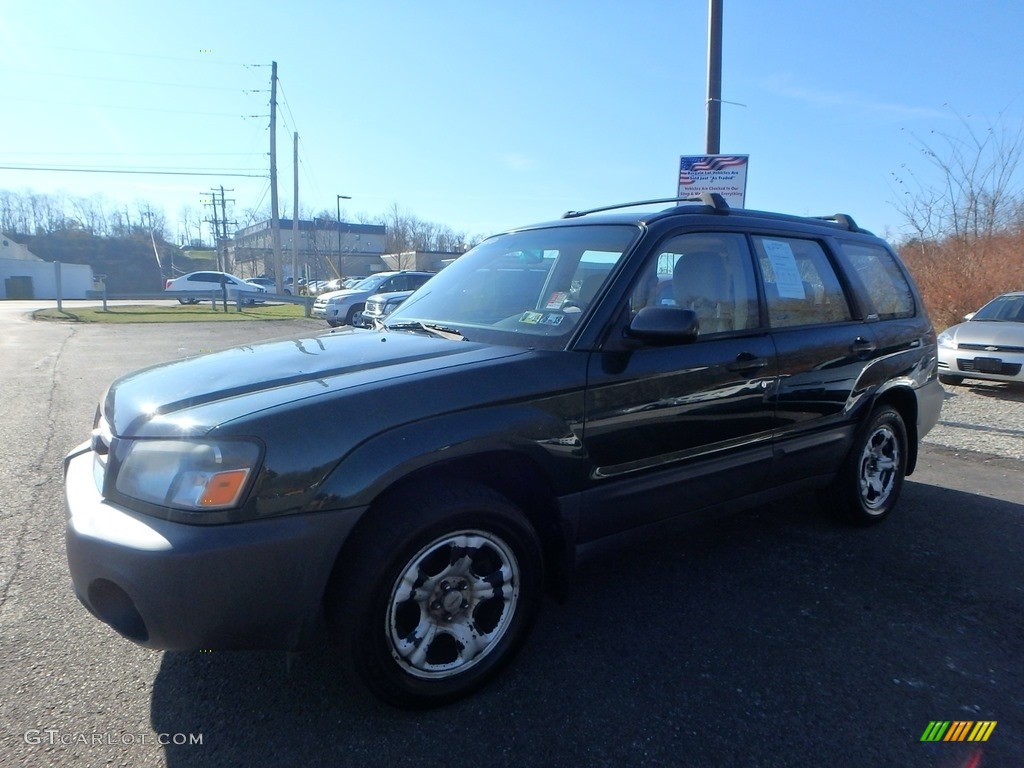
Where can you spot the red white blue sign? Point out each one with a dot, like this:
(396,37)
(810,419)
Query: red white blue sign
(724,174)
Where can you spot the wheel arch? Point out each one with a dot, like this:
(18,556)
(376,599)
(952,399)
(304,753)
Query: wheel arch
(903,400)
(509,473)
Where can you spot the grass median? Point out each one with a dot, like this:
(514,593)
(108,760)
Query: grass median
(181,313)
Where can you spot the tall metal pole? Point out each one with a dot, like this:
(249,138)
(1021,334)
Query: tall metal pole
(714,124)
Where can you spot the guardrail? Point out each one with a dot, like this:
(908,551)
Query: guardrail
(240,300)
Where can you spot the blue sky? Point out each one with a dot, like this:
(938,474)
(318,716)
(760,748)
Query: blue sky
(482,116)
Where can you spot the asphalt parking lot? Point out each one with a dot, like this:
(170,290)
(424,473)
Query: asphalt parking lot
(772,638)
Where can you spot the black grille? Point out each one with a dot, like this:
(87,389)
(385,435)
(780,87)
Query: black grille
(1006,369)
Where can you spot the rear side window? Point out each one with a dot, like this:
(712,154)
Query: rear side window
(882,278)
(800,284)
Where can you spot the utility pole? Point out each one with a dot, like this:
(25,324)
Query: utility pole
(224,226)
(275,220)
(295,217)
(714,103)
(216,229)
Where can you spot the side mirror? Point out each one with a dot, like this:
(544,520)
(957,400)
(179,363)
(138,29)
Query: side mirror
(664,325)
(969,315)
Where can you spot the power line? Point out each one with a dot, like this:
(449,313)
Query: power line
(130,107)
(144,154)
(139,172)
(190,86)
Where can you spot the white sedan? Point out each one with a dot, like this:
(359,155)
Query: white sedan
(207,282)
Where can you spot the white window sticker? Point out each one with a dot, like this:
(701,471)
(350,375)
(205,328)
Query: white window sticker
(787,276)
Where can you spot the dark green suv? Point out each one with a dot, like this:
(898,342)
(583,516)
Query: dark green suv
(562,387)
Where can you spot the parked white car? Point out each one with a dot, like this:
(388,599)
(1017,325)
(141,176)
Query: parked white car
(206,282)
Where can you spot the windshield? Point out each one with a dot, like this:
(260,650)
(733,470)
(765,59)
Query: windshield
(528,288)
(1009,309)
(370,283)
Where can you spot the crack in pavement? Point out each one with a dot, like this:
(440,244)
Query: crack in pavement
(40,468)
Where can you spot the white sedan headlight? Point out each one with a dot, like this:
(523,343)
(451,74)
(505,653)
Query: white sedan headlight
(187,474)
(945,339)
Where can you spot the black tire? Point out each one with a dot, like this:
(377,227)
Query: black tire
(352,313)
(869,483)
(945,378)
(440,592)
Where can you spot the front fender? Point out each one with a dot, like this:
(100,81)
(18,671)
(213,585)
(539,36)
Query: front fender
(546,433)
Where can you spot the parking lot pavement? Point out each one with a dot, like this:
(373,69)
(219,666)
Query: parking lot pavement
(772,638)
(982,416)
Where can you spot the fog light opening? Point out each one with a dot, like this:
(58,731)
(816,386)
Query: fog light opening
(113,606)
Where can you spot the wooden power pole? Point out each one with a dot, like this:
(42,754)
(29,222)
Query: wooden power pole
(275,220)
(295,217)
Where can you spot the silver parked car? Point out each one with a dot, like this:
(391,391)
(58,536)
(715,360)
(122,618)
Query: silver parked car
(379,306)
(989,345)
(341,307)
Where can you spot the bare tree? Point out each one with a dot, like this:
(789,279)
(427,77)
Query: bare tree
(975,195)
(966,226)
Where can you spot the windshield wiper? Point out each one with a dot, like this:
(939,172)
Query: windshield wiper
(434,330)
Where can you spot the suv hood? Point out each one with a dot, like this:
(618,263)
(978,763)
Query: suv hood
(340,294)
(194,395)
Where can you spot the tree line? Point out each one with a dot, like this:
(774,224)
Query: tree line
(30,214)
(966,224)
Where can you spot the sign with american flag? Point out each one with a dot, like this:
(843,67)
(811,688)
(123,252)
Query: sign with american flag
(724,174)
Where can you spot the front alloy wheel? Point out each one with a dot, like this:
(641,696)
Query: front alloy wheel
(436,591)
(452,604)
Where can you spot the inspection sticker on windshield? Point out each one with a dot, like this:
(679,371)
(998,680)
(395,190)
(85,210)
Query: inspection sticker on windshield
(787,274)
(533,318)
(552,319)
(556,300)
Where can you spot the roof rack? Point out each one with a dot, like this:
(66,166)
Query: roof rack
(842,219)
(710,199)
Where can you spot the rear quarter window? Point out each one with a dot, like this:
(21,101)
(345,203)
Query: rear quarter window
(882,278)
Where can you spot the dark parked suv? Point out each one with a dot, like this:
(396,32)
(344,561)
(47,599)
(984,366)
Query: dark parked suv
(415,489)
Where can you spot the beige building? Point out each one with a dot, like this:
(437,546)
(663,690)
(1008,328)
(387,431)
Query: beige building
(326,248)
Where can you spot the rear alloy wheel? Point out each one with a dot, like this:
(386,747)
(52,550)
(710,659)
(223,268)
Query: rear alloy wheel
(434,611)
(869,484)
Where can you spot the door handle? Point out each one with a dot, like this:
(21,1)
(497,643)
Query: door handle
(746,362)
(862,347)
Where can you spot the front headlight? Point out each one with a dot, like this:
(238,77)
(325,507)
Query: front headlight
(187,474)
(945,339)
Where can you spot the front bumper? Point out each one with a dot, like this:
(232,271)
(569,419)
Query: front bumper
(999,365)
(328,312)
(257,584)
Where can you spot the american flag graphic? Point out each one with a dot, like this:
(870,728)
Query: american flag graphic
(706,163)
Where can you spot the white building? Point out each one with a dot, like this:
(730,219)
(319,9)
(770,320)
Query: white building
(23,275)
